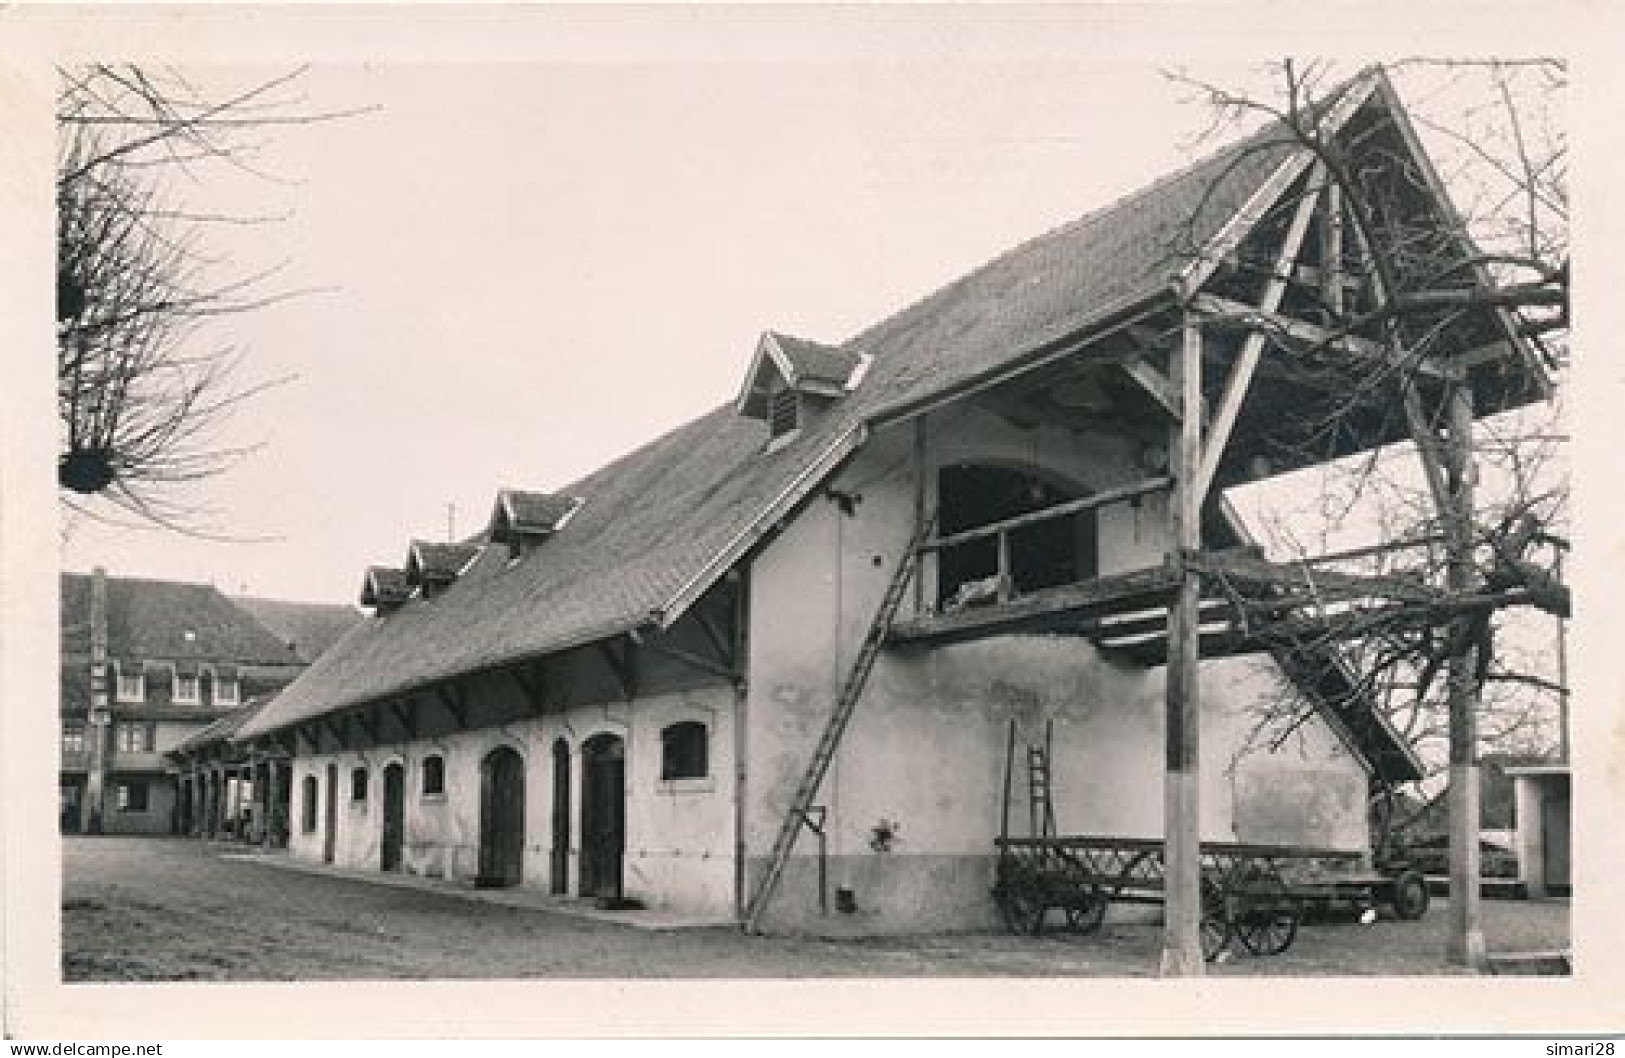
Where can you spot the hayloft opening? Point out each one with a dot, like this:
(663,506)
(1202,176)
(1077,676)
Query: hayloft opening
(1051,552)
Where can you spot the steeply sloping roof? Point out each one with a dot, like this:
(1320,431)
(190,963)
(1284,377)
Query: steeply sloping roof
(660,521)
(306,628)
(168,620)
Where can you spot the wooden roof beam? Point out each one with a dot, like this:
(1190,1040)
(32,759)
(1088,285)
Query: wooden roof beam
(1240,378)
(1222,312)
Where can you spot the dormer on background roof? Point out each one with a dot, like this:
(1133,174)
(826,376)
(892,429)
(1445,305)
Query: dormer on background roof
(519,517)
(431,567)
(787,370)
(385,589)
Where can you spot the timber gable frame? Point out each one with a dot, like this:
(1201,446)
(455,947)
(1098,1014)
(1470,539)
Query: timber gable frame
(605,578)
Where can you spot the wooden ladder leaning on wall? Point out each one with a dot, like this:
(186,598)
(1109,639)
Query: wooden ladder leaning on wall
(830,741)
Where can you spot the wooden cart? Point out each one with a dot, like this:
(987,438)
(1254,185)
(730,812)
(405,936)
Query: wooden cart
(1244,896)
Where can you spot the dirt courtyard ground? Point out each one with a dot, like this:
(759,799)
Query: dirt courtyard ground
(145,909)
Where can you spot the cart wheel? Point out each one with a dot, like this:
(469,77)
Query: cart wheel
(1268,922)
(1216,927)
(1023,912)
(1410,895)
(1086,917)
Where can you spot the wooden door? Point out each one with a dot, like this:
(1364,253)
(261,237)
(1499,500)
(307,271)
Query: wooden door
(603,815)
(1554,826)
(559,864)
(394,834)
(502,819)
(330,835)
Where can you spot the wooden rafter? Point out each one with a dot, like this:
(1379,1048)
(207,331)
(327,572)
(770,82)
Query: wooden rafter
(455,702)
(620,666)
(704,664)
(721,647)
(1151,379)
(1237,383)
(531,684)
(368,725)
(1222,311)
(403,716)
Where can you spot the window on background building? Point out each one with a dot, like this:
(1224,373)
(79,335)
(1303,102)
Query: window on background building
(358,785)
(129,682)
(225,689)
(73,737)
(307,804)
(132,796)
(135,736)
(434,776)
(187,686)
(683,750)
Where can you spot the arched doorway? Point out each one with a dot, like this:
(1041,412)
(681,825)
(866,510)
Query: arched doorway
(603,815)
(502,819)
(559,864)
(1049,553)
(394,836)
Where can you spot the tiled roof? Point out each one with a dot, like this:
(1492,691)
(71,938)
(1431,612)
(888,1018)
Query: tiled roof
(385,586)
(438,561)
(168,620)
(817,363)
(664,518)
(532,512)
(307,628)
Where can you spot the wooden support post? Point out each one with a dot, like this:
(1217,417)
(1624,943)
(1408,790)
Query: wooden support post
(921,496)
(1182,930)
(1465,941)
(273,803)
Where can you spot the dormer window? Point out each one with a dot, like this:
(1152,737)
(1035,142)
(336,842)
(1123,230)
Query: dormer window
(227,691)
(384,589)
(784,413)
(790,377)
(522,520)
(431,568)
(129,682)
(188,684)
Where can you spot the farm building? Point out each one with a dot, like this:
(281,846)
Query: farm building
(767,667)
(148,665)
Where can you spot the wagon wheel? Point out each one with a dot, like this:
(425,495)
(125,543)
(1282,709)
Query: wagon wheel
(1022,909)
(1216,926)
(1084,902)
(1410,895)
(1087,912)
(1268,922)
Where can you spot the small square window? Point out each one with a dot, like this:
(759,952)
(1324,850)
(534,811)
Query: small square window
(132,797)
(434,776)
(226,691)
(136,736)
(683,751)
(358,785)
(73,737)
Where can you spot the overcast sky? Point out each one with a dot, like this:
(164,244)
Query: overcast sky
(535,268)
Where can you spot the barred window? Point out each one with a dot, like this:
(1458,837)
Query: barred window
(358,785)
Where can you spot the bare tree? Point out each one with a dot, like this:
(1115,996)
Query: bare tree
(143,383)
(1453,283)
